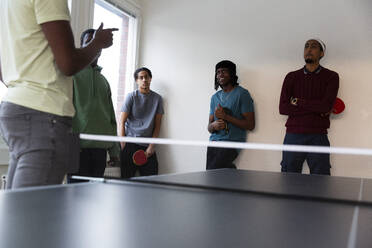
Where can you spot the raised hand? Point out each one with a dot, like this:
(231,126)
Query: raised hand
(103,37)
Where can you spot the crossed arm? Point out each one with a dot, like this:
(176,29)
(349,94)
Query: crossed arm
(324,105)
(285,105)
(291,105)
(246,123)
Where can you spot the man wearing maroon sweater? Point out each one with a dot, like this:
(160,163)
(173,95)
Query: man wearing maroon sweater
(307,98)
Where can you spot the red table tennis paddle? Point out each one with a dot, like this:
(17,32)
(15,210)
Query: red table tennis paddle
(139,157)
(338,106)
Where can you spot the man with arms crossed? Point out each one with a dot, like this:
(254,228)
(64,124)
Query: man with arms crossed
(38,57)
(231,115)
(307,98)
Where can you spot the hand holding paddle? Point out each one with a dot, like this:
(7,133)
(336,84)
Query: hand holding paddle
(139,157)
(338,106)
(150,150)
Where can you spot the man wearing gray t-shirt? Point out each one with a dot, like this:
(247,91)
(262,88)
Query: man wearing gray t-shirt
(141,116)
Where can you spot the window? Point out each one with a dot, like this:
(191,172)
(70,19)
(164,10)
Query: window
(118,60)
(69,2)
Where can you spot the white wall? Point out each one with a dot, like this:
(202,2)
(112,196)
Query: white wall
(182,40)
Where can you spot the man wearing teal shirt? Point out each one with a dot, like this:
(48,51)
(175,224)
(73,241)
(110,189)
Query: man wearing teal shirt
(94,115)
(231,115)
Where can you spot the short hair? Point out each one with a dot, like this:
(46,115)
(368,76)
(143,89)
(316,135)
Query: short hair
(88,31)
(142,69)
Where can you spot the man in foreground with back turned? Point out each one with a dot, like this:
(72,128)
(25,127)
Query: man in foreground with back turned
(38,57)
(307,98)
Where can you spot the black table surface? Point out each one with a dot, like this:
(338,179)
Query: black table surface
(142,214)
(273,183)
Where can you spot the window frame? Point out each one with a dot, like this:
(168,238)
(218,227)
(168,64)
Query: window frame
(82,16)
(82,20)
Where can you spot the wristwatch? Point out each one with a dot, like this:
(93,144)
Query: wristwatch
(294,100)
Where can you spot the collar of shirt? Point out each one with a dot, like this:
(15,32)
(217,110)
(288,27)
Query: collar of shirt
(97,68)
(306,71)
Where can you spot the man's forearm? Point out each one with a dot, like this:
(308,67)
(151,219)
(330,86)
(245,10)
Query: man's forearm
(155,135)
(210,128)
(286,108)
(122,133)
(82,57)
(122,130)
(156,132)
(69,59)
(241,123)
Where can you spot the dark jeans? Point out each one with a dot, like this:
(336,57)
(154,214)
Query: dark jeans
(128,168)
(218,158)
(92,164)
(318,162)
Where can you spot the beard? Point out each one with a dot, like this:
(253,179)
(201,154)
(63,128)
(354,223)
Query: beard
(309,61)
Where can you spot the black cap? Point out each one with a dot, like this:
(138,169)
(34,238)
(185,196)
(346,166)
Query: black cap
(232,69)
(227,64)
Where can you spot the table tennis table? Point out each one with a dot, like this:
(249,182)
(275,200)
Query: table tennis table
(219,208)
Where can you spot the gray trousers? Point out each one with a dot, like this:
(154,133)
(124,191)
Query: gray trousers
(42,146)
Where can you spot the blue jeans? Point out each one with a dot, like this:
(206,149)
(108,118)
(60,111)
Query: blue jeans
(42,146)
(318,162)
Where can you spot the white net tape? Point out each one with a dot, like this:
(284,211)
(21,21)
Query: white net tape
(239,145)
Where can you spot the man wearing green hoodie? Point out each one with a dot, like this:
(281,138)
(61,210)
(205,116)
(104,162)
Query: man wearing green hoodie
(94,115)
